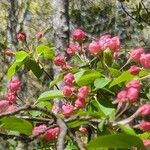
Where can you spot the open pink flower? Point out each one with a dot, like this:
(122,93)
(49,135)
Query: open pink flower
(67,110)
(39,129)
(78,35)
(136,54)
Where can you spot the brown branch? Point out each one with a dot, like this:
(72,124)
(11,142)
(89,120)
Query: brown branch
(62,134)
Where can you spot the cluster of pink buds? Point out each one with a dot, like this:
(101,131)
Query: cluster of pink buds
(81,97)
(105,42)
(49,135)
(60,61)
(138,55)
(131,93)
(13,87)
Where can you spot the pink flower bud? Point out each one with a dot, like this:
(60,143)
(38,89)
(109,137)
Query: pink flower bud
(59,61)
(133,84)
(145,60)
(52,134)
(8,52)
(78,35)
(80,103)
(39,35)
(136,54)
(39,129)
(122,96)
(94,48)
(83,130)
(65,67)
(146,142)
(114,44)
(144,110)
(55,109)
(4,104)
(72,48)
(67,90)
(68,79)
(21,36)
(144,125)
(11,97)
(134,70)
(67,110)
(83,92)
(132,94)
(14,85)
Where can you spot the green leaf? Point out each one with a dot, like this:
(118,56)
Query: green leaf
(45,51)
(13,69)
(76,123)
(86,77)
(21,58)
(104,111)
(16,124)
(34,67)
(144,135)
(125,76)
(116,141)
(127,129)
(115,72)
(50,95)
(101,82)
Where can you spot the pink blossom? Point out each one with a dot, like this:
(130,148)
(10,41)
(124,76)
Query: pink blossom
(94,48)
(83,92)
(114,44)
(65,67)
(21,36)
(146,142)
(144,125)
(80,103)
(4,104)
(145,60)
(134,70)
(133,84)
(52,134)
(105,37)
(104,40)
(59,61)
(78,35)
(67,110)
(144,110)
(132,94)
(55,109)
(39,35)
(14,85)
(72,48)
(68,79)
(11,97)
(39,129)
(122,96)
(83,130)
(136,54)
(67,90)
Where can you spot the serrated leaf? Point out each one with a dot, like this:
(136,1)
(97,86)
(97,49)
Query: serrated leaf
(16,124)
(45,51)
(86,77)
(50,95)
(34,67)
(125,76)
(116,141)
(101,82)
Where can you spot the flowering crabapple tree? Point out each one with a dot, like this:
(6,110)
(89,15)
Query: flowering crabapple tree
(103,104)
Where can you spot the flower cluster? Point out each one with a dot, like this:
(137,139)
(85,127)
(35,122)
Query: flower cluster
(47,134)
